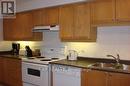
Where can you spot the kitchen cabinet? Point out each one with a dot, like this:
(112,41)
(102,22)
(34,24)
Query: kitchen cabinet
(1,70)
(123,10)
(12,72)
(8,29)
(39,17)
(46,16)
(20,28)
(23,26)
(103,11)
(118,79)
(110,12)
(93,78)
(52,16)
(103,78)
(75,24)
(66,22)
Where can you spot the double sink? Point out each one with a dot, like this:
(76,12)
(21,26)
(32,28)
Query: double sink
(110,66)
(119,67)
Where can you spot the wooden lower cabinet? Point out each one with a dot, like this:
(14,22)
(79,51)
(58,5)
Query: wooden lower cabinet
(102,78)
(93,78)
(118,79)
(1,70)
(10,72)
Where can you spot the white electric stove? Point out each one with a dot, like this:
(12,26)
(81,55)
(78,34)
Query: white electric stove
(36,70)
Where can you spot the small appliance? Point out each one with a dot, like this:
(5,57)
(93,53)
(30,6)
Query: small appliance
(72,55)
(15,48)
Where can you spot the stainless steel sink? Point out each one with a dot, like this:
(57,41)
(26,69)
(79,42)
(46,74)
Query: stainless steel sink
(110,66)
(103,65)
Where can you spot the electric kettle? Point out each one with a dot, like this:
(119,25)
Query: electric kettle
(72,55)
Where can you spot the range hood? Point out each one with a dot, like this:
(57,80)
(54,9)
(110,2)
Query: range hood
(46,28)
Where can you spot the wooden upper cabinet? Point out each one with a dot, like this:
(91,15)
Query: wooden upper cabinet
(93,78)
(103,11)
(52,16)
(123,10)
(46,16)
(82,23)
(66,21)
(20,28)
(8,31)
(118,79)
(24,26)
(75,23)
(38,17)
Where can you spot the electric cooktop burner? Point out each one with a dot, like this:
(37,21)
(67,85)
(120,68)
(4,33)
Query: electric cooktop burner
(31,58)
(50,59)
(54,58)
(40,57)
(45,60)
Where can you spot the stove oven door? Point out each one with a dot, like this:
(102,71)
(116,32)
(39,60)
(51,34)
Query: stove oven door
(35,74)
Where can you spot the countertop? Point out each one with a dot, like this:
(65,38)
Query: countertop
(12,57)
(77,63)
(81,63)
(85,62)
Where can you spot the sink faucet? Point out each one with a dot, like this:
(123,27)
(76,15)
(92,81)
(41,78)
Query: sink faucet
(116,58)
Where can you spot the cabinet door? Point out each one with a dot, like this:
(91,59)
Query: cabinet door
(66,22)
(52,16)
(103,11)
(39,17)
(118,79)
(24,26)
(12,72)
(19,28)
(9,29)
(123,10)
(1,70)
(93,78)
(82,29)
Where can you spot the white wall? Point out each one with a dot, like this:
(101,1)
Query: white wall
(23,5)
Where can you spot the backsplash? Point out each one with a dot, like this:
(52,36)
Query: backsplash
(110,40)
